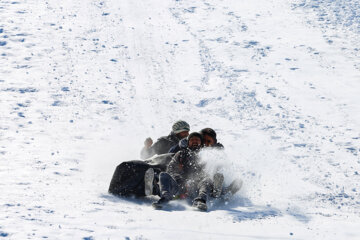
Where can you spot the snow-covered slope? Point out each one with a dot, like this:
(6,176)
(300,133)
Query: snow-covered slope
(82,83)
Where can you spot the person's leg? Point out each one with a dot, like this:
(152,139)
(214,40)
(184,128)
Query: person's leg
(151,180)
(168,188)
(156,187)
(205,189)
(218,185)
(233,188)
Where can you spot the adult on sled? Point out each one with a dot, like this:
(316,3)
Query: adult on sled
(180,130)
(185,176)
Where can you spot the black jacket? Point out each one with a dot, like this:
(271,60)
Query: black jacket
(162,146)
(218,146)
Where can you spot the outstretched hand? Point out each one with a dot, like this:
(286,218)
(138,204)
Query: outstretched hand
(148,142)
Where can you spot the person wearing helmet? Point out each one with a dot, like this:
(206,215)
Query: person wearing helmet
(180,130)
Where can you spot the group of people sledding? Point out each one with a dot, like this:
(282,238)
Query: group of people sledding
(171,169)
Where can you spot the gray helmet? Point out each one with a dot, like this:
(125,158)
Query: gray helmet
(180,126)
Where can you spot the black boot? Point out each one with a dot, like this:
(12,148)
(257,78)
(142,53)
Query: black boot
(200,204)
(161,203)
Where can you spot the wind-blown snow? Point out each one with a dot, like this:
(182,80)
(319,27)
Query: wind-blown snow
(83,83)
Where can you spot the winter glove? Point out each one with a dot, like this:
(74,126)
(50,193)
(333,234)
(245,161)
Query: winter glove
(183,143)
(148,142)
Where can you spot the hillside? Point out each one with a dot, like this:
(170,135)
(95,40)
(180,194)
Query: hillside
(83,83)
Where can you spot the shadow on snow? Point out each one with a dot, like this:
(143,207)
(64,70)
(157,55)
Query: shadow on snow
(240,208)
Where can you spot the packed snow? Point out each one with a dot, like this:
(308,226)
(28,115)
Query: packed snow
(83,83)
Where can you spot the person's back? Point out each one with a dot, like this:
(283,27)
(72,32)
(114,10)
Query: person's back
(180,130)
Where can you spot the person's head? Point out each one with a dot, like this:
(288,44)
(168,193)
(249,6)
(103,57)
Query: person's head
(195,141)
(181,129)
(209,137)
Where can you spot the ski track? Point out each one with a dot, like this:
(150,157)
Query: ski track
(83,83)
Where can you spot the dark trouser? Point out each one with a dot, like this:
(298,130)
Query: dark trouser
(168,187)
(205,188)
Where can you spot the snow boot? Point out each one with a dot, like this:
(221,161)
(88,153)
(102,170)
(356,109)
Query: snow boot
(218,184)
(161,203)
(149,181)
(200,204)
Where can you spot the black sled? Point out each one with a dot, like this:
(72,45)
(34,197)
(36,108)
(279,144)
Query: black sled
(128,178)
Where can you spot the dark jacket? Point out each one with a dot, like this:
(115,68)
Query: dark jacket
(185,167)
(162,146)
(218,146)
(183,143)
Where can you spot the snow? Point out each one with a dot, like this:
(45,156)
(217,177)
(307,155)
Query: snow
(83,83)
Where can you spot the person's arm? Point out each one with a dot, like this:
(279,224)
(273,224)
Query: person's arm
(175,169)
(174,149)
(156,148)
(183,143)
(145,153)
(147,150)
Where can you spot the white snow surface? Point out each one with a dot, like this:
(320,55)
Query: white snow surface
(83,83)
